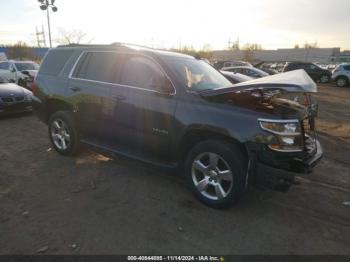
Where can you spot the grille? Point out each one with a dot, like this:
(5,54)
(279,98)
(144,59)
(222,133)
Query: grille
(309,131)
(7,99)
(20,98)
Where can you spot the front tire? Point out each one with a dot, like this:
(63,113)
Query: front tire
(324,79)
(21,83)
(342,81)
(63,133)
(216,172)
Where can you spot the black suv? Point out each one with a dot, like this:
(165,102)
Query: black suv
(314,71)
(176,111)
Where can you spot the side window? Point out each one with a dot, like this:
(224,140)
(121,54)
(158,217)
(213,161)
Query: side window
(312,67)
(142,72)
(54,61)
(4,66)
(99,66)
(347,67)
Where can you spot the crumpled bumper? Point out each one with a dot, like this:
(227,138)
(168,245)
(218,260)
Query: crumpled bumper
(272,175)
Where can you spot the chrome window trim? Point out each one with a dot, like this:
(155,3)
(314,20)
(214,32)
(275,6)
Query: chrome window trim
(70,76)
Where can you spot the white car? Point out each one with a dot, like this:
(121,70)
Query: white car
(246,70)
(19,72)
(341,75)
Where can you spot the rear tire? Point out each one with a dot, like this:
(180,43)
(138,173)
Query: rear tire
(342,81)
(63,133)
(215,172)
(324,79)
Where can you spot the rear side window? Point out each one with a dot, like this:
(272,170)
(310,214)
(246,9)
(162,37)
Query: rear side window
(4,66)
(142,72)
(99,66)
(55,61)
(347,67)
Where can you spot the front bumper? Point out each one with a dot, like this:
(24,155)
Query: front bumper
(273,173)
(15,107)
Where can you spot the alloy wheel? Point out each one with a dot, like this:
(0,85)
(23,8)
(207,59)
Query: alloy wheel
(212,176)
(341,82)
(60,134)
(324,79)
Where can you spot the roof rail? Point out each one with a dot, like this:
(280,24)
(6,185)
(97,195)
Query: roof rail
(105,45)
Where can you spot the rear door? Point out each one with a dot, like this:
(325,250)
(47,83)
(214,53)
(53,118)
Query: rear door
(142,112)
(89,92)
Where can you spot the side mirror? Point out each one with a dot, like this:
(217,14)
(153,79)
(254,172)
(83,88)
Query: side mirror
(13,70)
(162,85)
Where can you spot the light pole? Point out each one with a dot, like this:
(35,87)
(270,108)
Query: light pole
(44,5)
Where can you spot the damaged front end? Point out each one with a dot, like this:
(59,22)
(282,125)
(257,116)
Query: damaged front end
(285,147)
(285,141)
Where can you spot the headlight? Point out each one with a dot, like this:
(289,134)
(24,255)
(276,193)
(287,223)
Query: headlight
(287,134)
(28,97)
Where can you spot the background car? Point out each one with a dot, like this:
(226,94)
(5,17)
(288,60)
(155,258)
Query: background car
(314,71)
(235,78)
(221,64)
(246,70)
(341,75)
(14,98)
(19,72)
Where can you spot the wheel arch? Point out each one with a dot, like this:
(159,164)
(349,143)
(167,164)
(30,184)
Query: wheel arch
(194,136)
(54,105)
(342,76)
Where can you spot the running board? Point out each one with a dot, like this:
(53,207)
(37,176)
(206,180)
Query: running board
(128,155)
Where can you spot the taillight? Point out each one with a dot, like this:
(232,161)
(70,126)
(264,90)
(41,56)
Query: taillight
(33,87)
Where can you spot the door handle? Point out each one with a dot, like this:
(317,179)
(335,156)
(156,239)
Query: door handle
(75,88)
(119,97)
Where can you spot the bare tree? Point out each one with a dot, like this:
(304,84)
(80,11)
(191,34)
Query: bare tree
(20,51)
(249,51)
(73,36)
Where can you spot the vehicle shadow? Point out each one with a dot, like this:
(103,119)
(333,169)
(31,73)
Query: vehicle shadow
(15,115)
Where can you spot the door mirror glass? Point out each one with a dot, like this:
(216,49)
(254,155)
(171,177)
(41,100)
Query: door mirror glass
(162,85)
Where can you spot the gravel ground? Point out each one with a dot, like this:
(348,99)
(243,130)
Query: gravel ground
(92,204)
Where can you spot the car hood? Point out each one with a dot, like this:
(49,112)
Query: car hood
(12,90)
(292,81)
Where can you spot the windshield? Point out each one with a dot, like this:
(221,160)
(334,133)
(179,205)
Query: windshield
(197,74)
(27,66)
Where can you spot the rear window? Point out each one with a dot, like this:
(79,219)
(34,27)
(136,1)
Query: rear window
(99,66)
(55,61)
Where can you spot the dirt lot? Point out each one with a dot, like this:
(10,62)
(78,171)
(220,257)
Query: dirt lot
(94,205)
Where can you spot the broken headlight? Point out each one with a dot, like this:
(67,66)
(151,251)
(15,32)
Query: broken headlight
(286,134)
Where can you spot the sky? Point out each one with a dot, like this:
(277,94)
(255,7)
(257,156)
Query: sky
(174,23)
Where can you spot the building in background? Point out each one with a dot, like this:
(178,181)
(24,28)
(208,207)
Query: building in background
(345,56)
(320,55)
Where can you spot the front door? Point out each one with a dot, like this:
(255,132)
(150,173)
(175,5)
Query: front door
(142,111)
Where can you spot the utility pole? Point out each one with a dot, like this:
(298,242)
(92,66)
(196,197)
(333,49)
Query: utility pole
(44,5)
(40,36)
